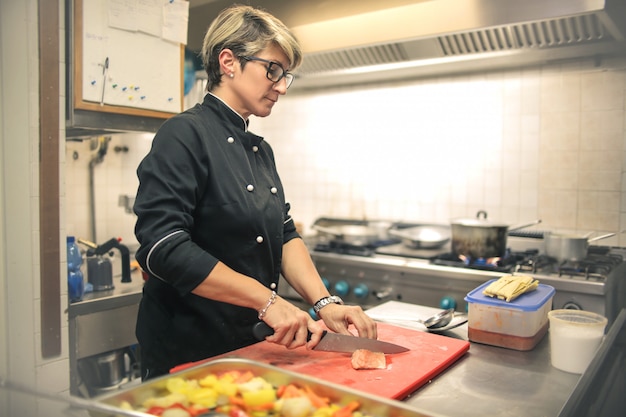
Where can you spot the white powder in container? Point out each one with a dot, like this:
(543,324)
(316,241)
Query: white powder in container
(574,338)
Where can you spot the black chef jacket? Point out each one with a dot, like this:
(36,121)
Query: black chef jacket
(208,191)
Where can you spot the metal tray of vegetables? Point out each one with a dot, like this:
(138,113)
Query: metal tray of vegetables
(234,387)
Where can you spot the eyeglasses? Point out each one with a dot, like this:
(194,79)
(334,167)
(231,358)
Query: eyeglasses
(275,71)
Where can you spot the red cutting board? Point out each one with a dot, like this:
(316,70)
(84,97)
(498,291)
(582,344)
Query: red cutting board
(428,356)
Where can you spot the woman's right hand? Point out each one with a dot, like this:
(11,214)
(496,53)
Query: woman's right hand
(291,325)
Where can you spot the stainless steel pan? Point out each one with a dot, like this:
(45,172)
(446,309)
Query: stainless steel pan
(356,234)
(77,402)
(423,236)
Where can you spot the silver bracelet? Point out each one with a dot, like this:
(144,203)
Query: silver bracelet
(271,301)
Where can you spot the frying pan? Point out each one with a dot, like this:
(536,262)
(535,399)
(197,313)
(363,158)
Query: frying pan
(423,236)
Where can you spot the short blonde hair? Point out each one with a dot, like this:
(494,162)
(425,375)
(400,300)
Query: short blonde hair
(245,30)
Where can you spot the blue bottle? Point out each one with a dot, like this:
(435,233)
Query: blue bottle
(75,281)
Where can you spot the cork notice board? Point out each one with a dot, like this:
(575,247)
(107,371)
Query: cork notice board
(124,71)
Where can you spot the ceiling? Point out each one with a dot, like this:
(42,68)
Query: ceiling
(291,12)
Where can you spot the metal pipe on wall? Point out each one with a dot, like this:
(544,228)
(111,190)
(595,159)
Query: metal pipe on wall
(102,144)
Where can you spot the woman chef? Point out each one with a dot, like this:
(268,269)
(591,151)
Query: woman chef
(212,221)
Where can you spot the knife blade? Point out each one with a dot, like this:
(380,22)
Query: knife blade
(335,342)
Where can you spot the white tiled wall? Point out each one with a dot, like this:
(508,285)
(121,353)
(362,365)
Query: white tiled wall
(113,177)
(541,143)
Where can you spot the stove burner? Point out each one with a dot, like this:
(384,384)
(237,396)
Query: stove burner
(506,263)
(596,266)
(486,262)
(537,263)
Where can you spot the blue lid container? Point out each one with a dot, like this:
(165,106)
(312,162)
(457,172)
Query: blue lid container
(530,301)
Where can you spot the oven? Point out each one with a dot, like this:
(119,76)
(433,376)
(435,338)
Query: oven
(375,272)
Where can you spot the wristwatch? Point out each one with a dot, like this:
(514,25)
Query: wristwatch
(323,302)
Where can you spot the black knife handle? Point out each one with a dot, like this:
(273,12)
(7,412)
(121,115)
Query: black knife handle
(261,330)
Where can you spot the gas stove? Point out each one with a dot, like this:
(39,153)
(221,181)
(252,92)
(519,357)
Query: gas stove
(389,269)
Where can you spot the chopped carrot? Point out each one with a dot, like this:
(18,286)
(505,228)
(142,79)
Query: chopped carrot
(244,377)
(197,410)
(290,391)
(262,407)
(237,402)
(238,377)
(346,410)
(316,400)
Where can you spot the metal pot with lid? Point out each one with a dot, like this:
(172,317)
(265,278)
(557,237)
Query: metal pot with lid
(480,237)
(569,247)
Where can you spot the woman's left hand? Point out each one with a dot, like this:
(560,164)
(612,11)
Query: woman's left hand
(339,318)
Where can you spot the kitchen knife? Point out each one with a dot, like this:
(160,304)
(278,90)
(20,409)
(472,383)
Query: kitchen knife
(335,342)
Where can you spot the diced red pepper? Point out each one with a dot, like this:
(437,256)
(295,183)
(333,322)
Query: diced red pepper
(155,411)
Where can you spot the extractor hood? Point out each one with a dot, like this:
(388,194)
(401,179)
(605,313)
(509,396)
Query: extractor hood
(450,36)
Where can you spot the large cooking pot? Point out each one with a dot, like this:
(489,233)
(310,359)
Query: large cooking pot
(567,247)
(481,238)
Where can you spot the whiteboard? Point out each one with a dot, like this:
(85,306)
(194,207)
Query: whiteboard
(144,71)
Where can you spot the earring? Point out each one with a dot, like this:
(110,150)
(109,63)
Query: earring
(232,75)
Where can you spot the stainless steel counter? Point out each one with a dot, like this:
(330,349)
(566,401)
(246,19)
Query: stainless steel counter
(493,381)
(122,295)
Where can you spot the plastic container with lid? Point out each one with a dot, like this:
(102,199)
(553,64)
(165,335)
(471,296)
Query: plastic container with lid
(519,324)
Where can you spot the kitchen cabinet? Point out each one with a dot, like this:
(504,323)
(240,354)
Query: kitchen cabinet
(120,77)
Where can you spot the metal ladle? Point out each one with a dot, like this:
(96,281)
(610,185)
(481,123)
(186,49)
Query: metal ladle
(439,320)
